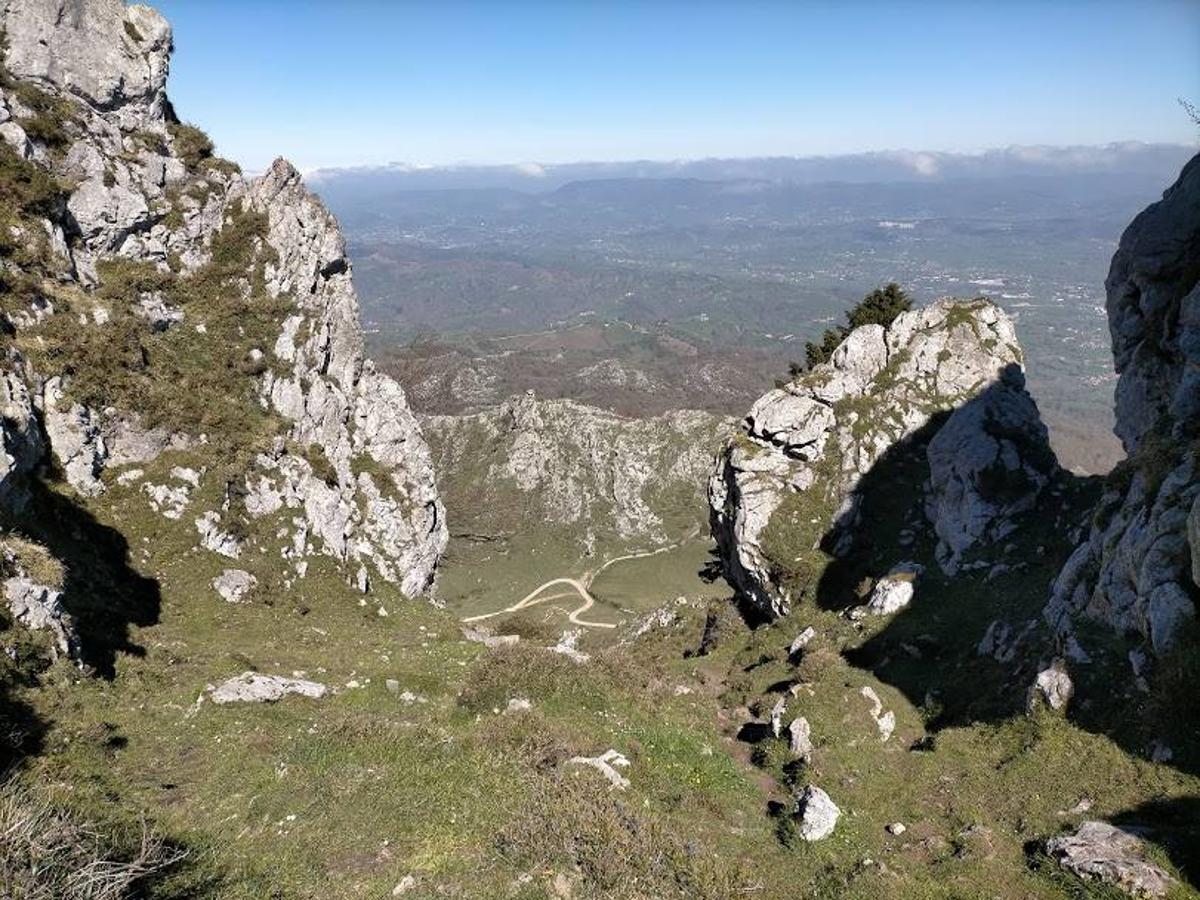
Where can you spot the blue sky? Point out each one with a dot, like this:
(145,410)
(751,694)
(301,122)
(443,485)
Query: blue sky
(351,83)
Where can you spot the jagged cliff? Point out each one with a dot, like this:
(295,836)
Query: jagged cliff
(174,329)
(579,469)
(788,485)
(1139,567)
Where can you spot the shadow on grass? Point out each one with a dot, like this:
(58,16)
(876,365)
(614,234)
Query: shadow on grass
(1174,825)
(101,590)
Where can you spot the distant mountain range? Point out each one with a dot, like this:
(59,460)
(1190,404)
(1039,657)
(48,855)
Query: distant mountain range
(897,165)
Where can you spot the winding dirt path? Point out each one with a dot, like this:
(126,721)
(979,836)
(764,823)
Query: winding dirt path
(580,587)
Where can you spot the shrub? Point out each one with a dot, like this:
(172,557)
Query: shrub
(28,187)
(192,145)
(51,115)
(880,307)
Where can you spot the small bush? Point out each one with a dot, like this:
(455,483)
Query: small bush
(28,187)
(51,115)
(880,307)
(192,145)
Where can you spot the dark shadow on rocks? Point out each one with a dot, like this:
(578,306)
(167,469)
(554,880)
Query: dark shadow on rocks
(754,733)
(892,501)
(102,591)
(931,651)
(22,731)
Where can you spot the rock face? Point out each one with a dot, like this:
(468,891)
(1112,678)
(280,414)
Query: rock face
(822,433)
(1112,855)
(146,206)
(987,464)
(1137,568)
(23,443)
(561,462)
(112,57)
(37,606)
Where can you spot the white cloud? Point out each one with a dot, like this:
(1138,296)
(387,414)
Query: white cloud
(532,169)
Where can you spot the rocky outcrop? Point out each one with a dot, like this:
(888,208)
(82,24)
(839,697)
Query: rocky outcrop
(988,464)
(568,464)
(1136,570)
(110,56)
(31,601)
(84,102)
(822,433)
(338,402)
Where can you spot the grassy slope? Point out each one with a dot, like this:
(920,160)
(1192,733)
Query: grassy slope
(479,804)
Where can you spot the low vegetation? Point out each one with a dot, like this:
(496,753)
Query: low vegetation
(198,377)
(880,307)
(47,853)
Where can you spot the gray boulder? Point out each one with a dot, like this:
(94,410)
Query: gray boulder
(1116,856)
(234,584)
(1136,569)
(987,464)
(251,687)
(1052,687)
(817,814)
(895,590)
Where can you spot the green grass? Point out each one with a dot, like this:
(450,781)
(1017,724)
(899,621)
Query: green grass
(180,379)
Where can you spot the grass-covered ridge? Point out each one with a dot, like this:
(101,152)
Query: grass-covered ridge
(198,376)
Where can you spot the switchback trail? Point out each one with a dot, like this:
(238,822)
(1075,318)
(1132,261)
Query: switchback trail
(580,587)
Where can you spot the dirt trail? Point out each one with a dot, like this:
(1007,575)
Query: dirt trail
(580,587)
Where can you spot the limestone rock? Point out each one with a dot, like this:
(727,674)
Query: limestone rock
(251,687)
(987,464)
(234,584)
(800,738)
(817,813)
(213,538)
(1116,856)
(1137,567)
(571,464)
(111,56)
(606,764)
(802,640)
(21,441)
(337,401)
(822,433)
(134,196)
(1052,686)
(895,590)
(489,640)
(39,607)
(74,435)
